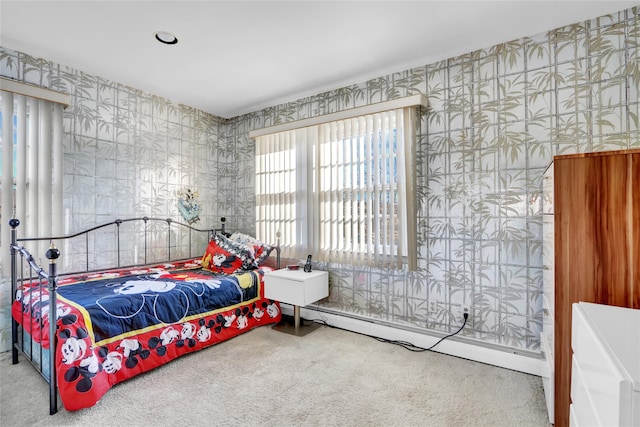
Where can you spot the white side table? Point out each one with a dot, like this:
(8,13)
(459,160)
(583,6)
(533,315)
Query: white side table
(298,288)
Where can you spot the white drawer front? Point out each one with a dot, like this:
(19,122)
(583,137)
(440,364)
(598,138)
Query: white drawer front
(287,291)
(581,398)
(596,374)
(548,284)
(548,322)
(635,408)
(573,419)
(547,355)
(547,190)
(548,375)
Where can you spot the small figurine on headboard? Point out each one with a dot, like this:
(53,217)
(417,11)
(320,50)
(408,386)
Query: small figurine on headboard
(188,205)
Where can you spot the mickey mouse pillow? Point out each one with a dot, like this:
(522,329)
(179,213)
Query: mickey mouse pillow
(225,256)
(259,249)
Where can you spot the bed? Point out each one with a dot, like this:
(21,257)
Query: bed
(111,324)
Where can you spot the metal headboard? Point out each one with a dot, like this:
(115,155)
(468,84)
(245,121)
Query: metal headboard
(117,223)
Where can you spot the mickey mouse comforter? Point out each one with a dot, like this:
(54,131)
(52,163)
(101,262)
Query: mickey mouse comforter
(115,325)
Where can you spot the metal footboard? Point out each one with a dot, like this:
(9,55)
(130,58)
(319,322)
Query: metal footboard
(38,277)
(25,269)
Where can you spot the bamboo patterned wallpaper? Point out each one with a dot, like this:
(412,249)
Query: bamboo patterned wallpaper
(126,154)
(496,118)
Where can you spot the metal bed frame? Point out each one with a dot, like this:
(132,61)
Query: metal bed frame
(29,271)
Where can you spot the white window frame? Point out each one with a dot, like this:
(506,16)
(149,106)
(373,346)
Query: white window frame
(306,235)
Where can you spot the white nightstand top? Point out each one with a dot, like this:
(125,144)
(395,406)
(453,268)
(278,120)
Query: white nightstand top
(297,275)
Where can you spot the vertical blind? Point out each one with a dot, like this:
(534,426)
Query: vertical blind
(341,190)
(31,178)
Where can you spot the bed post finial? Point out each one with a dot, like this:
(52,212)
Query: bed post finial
(14,223)
(223,220)
(53,253)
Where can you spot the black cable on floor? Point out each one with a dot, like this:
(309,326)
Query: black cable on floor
(404,344)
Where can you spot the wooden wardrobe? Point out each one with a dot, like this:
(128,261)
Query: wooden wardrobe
(596,217)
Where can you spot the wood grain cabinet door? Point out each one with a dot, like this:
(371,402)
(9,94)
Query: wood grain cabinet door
(635,219)
(593,229)
(597,245)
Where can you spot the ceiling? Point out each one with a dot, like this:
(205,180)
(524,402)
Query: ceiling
(234,57)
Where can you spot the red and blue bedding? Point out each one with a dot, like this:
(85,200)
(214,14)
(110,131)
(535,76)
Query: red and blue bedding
(117,324)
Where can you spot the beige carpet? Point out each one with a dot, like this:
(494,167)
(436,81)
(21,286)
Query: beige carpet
(266,378)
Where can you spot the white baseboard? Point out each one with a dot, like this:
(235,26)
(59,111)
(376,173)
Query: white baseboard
(466,350)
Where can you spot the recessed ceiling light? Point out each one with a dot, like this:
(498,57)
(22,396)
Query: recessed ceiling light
(165,37)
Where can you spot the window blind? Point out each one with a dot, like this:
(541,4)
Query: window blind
(31,178)
(341,190)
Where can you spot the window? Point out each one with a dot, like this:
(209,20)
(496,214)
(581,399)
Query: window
(31,158)
(342,190)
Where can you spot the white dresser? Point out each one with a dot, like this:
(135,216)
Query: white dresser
(605,375)
(548,295)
